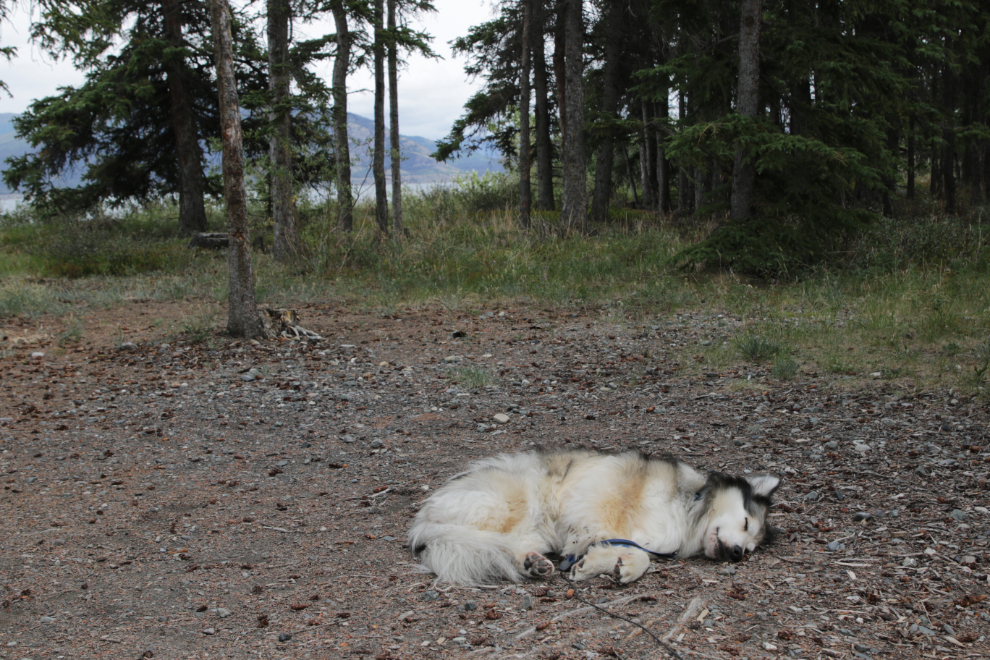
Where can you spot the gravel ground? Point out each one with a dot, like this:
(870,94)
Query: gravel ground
(240,500)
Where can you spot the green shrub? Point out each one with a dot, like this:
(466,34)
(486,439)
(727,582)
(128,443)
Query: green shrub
(757,349)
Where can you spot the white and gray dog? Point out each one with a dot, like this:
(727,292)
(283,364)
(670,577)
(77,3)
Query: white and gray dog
(603,513)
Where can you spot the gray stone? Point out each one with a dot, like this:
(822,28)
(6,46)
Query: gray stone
(959,515)
(223,613)
(832,445)
(835,546)
(862,447)
(501,418)
(431,596)
(862,649)
(948,629)
(376,443)
(470,606)
(284,637)
(47,619)
(928,632)
(813,495)
(727,570)
(209,631)
(348,438)
(527,602)
(967,559)
(921,471)
(451,359)
(128,346)
(909,562)
(247,378)
(862,515)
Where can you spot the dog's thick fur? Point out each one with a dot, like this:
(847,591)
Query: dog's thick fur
(497,520)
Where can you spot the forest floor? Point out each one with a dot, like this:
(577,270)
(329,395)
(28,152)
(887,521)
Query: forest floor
(221,498)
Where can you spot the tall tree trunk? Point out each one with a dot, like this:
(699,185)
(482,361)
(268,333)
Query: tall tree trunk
(286,240)
(629,174)
(949,138)
(575,210)
(242,313)
(663,165)
(192,211)
(910,160)
(747,101)
(541,86)
(890,180)
(683,185)
(378,157)
(644,157)
(559,68)
(610,107)
(393,98)
(345,200)
(525,189)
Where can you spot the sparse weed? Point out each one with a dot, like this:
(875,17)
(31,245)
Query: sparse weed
(73,333)
(756,348)
(784,369)
(474,378)
(18,298)
(198,327)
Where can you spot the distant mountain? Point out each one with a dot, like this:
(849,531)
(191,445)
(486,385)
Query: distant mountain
(417,165)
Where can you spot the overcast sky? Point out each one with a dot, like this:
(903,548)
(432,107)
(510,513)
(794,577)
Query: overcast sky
(431,93)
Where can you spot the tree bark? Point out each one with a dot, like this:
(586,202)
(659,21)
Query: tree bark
(910,160)
(949,138)
(286,239)
(629,175)
(605,155)
(574,212)
(393,99)
(747,104)
(663,165)
(192,210)
(683,185)
(242,313)
(525,188)
(559,69)
(541,86)
(378,157)
(645,174)
(345,201)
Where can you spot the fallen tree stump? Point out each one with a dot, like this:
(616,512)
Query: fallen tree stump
(284,323)
(212,241)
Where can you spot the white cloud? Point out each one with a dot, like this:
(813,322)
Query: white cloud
(432,93)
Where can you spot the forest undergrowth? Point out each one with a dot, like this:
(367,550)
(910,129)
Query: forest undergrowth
(905,299)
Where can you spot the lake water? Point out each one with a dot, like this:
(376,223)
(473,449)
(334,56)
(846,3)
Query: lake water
(365,191)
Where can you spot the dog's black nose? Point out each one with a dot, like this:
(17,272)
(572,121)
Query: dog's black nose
(737,552)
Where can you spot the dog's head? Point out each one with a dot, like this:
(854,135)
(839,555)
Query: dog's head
(736,509)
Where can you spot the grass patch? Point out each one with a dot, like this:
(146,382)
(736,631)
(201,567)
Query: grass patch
(784,369)
(472,378)
(73,333)
(756,348)
(18,298)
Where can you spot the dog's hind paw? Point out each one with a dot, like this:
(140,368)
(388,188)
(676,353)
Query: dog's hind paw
(537,566)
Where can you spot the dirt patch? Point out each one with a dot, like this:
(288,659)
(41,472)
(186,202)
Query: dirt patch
(239,499)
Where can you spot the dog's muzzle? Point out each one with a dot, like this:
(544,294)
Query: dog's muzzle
(725,553)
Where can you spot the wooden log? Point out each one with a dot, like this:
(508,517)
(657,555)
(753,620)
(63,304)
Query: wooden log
(212,241)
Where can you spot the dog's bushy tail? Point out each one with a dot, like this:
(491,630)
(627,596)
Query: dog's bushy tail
(463,555)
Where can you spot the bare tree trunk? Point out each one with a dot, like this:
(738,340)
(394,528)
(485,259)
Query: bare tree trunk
(286,240)
(525,188)
(541,86)
(748,99)
(393,98)
(345,201)
(644,158)
(910,160)
(559,70)
(192,211)
(575,204)
(949,138)
(663,165)
(610,106)
(242,314)
(378,157)
(629,175)
(683,193)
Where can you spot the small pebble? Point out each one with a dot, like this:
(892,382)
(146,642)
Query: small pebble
(527,602)
(376,443)
(959,515)
(501,418)
(209,631)
(862,515)
(470,606)
(284,637)
(431,596)
(835,546)
(727,570)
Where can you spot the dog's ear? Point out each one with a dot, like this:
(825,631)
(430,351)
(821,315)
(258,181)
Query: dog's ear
(764,485)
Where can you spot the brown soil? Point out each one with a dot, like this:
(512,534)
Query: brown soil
(168,502)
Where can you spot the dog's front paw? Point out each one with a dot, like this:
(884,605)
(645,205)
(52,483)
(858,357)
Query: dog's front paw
(579,571)
(537,566)
(631,566)
(598,560)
